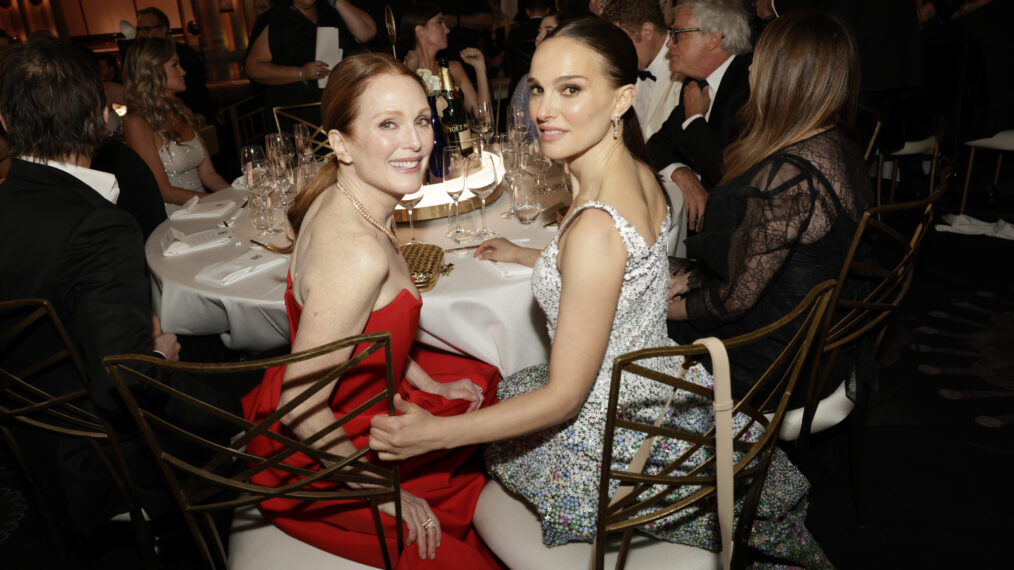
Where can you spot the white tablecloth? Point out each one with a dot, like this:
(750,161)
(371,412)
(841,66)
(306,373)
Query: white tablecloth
(474,310)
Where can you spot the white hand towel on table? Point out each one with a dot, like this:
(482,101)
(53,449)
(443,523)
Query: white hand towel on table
(510,270)
(194,208)
(250,263)
(971,226)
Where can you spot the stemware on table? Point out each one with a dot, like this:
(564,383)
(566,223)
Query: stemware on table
(527,206)
(249,156)
(473,162)
(481,122)
(453,163)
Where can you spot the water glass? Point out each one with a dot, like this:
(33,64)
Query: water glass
(526,197)
(268,210)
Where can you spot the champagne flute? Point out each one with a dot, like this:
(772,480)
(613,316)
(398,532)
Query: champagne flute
(409,202)
(452,165)
(474,162)
(503,148)
(303,142)
(481,122)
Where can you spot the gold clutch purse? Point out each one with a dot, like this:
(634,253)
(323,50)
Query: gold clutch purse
(425,264)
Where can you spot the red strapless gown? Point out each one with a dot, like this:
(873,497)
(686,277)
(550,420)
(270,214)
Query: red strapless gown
(449,481)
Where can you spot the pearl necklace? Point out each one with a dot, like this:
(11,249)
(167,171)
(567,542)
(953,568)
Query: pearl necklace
(366,215)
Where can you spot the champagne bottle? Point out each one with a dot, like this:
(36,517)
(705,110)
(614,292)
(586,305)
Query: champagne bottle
(453,117)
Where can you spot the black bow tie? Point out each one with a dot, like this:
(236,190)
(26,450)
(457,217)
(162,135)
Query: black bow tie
(645,74)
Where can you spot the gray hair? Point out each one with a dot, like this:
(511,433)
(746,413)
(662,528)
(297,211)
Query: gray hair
(726,17)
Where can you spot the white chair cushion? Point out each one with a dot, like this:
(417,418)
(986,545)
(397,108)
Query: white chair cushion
(1004,140)
(831,411)
(925,146)
(255,543)
(512,530)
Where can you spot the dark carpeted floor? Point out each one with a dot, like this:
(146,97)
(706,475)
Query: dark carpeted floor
(939,436)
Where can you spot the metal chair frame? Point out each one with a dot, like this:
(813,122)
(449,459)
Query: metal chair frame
(772,391)
(24,404)
(934,162)
(318,136)
(200,490)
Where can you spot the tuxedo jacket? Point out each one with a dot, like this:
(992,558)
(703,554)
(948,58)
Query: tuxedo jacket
(664,98)
(60,240)
(701,145)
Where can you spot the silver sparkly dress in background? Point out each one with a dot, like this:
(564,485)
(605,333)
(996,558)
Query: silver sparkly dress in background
(180,160)
(557,469)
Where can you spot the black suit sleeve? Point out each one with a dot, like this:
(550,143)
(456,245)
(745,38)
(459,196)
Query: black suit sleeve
(103,274)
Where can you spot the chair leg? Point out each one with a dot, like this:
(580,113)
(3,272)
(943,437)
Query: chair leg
(999,162)
(968,178)
(894,178)
(880,176)
(933,169)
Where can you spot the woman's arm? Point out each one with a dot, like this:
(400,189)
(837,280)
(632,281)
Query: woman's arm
(139,135)
(260,68)
(461,80)
(462,389)
(775,218)
(474,57)
(499,249)
(592,261)
(360,23)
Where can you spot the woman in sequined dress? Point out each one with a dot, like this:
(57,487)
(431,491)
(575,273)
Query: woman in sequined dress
(160,128)
(602,284)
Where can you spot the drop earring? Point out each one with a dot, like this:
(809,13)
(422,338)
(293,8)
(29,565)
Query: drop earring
(616,127)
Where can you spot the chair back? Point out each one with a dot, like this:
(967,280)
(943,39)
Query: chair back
(692,475)
(869,125)
(874,279)
(249,121)
(207,476)
(289,115)
(44,387)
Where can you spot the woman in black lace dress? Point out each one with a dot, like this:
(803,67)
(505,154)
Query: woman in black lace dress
(794,188)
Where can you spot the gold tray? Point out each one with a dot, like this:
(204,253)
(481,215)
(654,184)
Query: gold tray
(444,210)
(425,264)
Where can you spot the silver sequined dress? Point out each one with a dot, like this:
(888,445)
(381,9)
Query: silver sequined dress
(180,160)
(557,469)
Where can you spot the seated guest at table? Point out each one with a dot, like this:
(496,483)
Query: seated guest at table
(139,194)
(422,33)
(523,90)
(795,185)
(63,238)
(283,48)
(602,284)
(160,128)
(708,44)
(347,277)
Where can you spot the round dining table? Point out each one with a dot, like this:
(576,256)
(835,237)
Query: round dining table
(481,309)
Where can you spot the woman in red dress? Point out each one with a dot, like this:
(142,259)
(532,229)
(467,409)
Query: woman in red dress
(347,277)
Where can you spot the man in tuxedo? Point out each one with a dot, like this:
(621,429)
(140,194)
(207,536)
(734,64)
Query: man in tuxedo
(709,43)
(658,91)
(63,238)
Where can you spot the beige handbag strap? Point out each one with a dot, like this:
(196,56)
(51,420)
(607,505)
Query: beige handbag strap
(723,445)
(723,442)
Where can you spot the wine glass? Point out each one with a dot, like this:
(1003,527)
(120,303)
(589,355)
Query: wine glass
(249,157)
(267,203)
(452,164)
(279,149)
(502,147)
(517,126)
(474,162)
(481,122)
(409,202)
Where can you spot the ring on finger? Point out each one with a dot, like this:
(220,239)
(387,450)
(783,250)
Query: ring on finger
(428,524)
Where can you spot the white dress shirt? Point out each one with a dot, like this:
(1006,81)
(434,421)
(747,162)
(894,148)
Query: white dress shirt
(656,99)
(101,182)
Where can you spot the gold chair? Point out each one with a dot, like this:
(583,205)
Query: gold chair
(34,343)
(927,147)
(869,120)
(289,115)
(875,277)
(1000,142)
(221,479)
(645,497)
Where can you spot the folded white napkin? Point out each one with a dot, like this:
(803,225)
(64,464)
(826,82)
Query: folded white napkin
(970,226)
(250,263)
(175,242)
(195,208)
(239,183)
(510,270)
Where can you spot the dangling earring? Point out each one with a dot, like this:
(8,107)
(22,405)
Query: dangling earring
(616,127)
